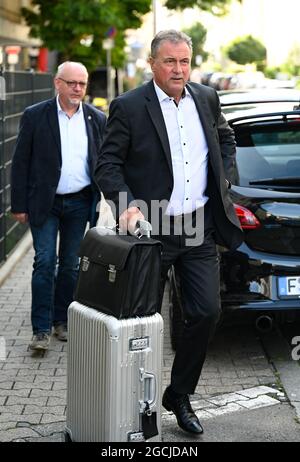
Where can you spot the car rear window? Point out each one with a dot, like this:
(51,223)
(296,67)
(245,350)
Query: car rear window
(267,152)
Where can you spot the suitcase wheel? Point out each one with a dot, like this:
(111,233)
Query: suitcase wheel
(68,438)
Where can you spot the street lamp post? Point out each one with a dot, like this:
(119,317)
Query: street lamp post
(108,44)
(154,17)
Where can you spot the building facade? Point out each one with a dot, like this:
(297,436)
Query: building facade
(18,51)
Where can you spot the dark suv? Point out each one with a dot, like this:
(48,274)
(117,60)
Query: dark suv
(263,274)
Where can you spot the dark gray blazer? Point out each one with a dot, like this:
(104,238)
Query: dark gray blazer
(135,155)
(36,164)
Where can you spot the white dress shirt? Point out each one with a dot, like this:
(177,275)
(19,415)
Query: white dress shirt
(188,151)
(74,151)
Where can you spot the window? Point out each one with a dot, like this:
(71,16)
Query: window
(268,152)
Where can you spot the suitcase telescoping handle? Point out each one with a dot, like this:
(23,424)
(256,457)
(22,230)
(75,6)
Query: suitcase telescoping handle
(143,228)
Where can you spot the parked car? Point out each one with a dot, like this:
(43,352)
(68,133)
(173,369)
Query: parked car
(262,276)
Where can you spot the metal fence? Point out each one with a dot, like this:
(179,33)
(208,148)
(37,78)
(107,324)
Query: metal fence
(17,91)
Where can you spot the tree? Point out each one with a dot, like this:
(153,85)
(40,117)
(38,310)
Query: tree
(217,7)
(76,28)
(198,35)
(292,65)
(246,50)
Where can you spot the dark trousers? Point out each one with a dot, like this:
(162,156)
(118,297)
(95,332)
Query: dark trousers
(198,268)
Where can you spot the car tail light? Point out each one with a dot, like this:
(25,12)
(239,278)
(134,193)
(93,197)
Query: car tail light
(247,219)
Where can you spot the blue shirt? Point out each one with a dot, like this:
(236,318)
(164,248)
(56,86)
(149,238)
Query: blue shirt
(75,173)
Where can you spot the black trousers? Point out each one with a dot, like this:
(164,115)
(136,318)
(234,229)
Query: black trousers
(198,268)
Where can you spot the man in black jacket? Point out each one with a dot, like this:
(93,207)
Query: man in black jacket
(168,143)
(52,188)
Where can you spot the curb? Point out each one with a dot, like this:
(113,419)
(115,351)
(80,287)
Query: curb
(22,247)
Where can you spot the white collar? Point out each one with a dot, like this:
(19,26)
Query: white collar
(60,109)
(162,96)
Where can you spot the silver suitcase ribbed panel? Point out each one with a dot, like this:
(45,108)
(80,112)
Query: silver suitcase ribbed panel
(113,366)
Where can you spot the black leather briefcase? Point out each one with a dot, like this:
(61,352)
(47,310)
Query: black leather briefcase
(119,274)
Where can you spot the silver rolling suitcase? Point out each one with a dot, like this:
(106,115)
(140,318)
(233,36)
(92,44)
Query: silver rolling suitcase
(114,377)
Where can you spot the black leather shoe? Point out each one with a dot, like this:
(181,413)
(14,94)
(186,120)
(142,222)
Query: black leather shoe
(181,406)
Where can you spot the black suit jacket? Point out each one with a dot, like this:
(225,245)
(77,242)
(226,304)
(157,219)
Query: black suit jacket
(135,156)
(36,164)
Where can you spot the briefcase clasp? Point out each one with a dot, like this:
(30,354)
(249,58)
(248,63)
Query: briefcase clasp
(85,263)
(112,273)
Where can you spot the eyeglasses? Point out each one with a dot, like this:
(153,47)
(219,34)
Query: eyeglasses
(73,83)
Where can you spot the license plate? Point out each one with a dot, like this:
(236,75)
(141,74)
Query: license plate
(289,287)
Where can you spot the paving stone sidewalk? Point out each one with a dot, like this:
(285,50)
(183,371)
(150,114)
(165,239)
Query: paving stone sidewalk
(33,386)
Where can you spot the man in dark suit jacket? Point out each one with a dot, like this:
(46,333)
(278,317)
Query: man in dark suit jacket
(168,143)
(52,188)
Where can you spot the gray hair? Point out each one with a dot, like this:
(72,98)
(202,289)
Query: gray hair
(170,35)
(61,67)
